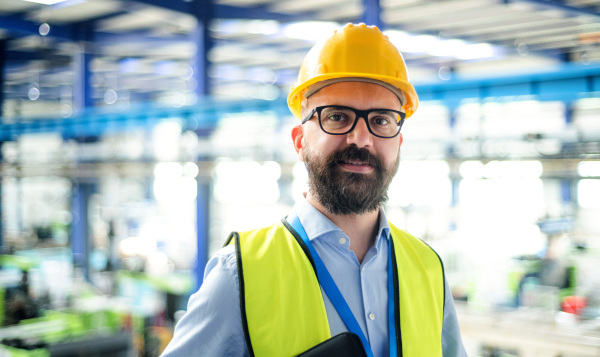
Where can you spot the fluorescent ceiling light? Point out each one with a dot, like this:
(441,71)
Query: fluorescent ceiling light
(513,169)
(447,48)
(310,30)
(439,47)
(409,43)
(588,168)
(476,51)
(587,192)
(46,2)
(237,27)
(262,27)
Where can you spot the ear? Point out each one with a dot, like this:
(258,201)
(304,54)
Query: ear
(401,139)
(297,138)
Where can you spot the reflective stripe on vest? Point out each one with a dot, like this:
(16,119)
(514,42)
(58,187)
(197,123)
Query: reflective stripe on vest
(283,312)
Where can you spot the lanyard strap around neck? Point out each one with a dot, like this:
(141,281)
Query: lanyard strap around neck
(337,299)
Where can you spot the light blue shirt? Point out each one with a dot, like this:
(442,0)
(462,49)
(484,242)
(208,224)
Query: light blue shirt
(212,325)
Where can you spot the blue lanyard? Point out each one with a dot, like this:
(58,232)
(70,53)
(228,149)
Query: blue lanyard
(338,301)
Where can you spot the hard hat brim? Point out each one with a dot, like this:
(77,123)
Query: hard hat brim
(297,94)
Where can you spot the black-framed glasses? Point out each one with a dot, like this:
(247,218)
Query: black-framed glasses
(340,120)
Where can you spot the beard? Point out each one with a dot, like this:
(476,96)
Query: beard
(342,192)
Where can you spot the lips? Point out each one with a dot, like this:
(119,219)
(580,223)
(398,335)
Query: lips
(356,166)
(355,162)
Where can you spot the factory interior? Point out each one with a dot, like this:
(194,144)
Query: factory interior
(136,135)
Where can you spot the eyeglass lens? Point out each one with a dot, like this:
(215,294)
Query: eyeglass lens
(339,120)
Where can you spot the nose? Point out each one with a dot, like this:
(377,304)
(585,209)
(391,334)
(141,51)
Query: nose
(360,135)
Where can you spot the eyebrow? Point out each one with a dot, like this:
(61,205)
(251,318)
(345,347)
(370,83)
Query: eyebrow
(381,110)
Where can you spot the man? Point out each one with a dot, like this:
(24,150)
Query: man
(334,264)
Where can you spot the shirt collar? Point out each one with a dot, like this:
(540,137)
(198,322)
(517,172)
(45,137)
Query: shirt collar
(317,225)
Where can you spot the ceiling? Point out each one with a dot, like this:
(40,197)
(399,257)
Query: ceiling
(99,53)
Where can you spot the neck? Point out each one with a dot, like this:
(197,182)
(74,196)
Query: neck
(360,228)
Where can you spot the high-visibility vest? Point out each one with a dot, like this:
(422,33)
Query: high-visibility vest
(283,313)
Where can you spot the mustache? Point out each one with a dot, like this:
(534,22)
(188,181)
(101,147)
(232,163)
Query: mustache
(354,153)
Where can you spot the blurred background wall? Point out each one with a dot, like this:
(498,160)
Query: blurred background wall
(136,135)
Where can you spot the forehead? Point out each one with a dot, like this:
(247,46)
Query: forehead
(359,95)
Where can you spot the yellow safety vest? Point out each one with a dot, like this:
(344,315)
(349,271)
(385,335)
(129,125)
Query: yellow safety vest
(283,312)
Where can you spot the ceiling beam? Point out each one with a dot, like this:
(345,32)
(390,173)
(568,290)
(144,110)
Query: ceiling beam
(18,56)
(227,11)
(18,26)
(559,5)
(568,83)
(254,13)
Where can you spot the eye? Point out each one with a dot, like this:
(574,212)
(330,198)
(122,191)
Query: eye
(337,117)
(381,119)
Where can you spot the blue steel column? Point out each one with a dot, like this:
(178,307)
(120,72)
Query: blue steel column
(372,13)
(82,191)
(202,225)
(566,184)
(82,87)
(566,191)
(80,243)
(2,62)
(204,43)
(203,10)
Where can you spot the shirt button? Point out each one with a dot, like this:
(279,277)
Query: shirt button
(342,240)
(371,316)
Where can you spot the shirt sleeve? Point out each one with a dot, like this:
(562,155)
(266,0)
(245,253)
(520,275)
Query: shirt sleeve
(212,324)
(452,345)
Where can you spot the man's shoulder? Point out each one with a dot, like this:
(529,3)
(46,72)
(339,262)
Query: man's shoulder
(224,257)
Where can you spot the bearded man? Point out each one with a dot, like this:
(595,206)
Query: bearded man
(334,266)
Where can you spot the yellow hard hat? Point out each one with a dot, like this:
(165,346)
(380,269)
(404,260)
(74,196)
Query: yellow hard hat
(354,53)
